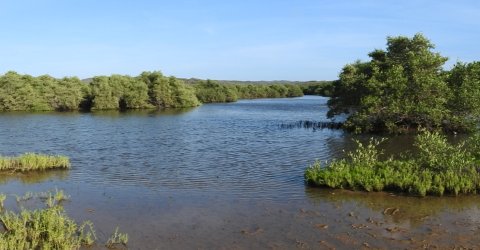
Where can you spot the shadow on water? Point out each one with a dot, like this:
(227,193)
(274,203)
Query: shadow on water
(143,112)
(401,208)
(34,177)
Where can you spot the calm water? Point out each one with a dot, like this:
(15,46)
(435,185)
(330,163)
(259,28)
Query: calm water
(223,176)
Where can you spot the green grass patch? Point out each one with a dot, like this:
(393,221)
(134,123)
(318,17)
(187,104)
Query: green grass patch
(438,167)
(33,161)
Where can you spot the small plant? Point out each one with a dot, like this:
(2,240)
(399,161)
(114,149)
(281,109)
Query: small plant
(2,199)
(117,238)
(49,227)
(27,196)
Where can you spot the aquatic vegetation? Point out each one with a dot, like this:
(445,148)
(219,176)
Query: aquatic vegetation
(48,228)
(117,238)
(2,199)
(32,161)
(437,168)
(307,124)
(27,196)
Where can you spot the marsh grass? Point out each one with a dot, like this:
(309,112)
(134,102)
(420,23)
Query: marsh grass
(3,197)
(33,161)
(117,238)
(48,227)
(45,228)
(438,168)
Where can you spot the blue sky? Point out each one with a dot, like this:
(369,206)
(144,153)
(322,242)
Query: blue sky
(242,40)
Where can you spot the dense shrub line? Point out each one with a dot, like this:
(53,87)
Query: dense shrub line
(118,92)
(210,91)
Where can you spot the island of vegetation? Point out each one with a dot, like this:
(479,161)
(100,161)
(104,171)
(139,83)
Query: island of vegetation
(32,162)
(405,89)
(437,167)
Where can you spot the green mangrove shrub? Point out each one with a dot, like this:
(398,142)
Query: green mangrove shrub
(404,88)
(437,168)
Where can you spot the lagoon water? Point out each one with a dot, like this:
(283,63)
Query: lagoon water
(223,176)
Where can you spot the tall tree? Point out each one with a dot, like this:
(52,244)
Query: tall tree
(399,89)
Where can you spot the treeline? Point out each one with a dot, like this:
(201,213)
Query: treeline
(321,88)
(260,89)
(148,90)
(404,88)
(210,91)
(44,93)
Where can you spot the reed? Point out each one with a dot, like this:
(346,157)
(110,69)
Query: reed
(117,238)
(33,161)
(2,199)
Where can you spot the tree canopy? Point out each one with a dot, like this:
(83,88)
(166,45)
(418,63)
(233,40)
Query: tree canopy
(120,92)
(404,88)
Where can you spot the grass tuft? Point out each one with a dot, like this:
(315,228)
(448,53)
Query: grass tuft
(33,161)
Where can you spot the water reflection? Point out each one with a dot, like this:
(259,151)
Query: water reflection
(33,177)
(397,207)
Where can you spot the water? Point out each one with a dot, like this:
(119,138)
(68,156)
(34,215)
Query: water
(221,176)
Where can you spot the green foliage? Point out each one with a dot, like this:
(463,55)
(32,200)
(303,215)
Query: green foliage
(323,88)
(438,167)
(2,199)
(117,92)
(464,104)
(268,91)
(49,227)
(168,92)
(24,92)
(117,238)
(44,93)
(404,88)
(32,161)
(211,91)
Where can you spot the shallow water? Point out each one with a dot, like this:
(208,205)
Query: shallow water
(223,176)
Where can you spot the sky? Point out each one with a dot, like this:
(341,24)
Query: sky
(229,40)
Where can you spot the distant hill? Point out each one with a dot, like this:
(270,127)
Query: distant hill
(196,80)
(87,80)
